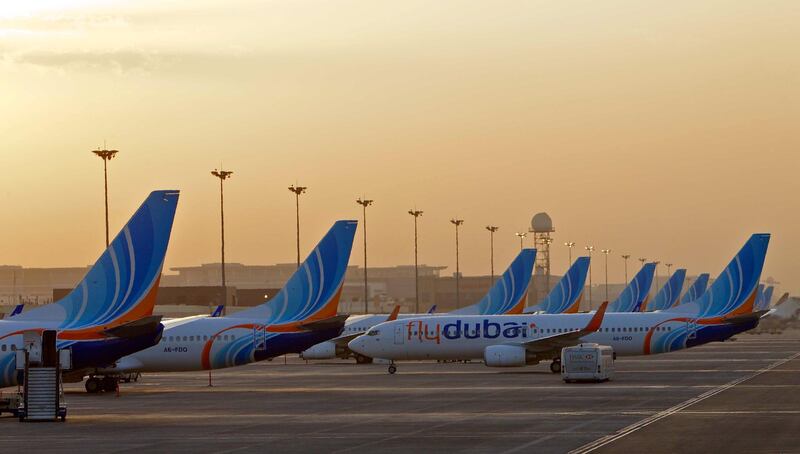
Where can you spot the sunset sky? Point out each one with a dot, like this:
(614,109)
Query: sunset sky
(666,130)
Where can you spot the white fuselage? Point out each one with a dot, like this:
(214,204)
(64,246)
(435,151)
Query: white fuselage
(466,337)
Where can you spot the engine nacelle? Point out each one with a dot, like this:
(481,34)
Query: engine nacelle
(505,356)
(324,350)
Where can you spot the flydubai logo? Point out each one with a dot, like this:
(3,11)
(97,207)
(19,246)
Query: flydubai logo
(423,331)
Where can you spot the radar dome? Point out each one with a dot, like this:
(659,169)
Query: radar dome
(541,222)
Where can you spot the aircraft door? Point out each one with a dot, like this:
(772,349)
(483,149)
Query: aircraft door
(259,338)
(691,329)
(399,334)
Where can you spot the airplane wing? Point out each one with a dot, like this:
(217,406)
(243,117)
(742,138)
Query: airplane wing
(546,346)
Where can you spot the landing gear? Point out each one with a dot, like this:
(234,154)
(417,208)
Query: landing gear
(109,384)
(392,369)
(93,385)
(361,359)
(555,366)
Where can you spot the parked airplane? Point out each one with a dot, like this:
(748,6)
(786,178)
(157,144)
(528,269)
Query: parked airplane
(507,296)
(565,297)
(670,292)
(528,339)
(302,314)
(763,303)
(696,290)
(109,314)
(16,311)
(635,296)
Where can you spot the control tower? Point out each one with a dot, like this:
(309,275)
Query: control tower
(542,227)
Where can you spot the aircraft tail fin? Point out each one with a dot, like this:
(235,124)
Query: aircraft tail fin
(766,299)
(432,310)
(312,292)
(670,292)
(218,311)
(696,290)
(17,310)
(507,295)
(121,286)
(734,291)
(634,297)
(565,298)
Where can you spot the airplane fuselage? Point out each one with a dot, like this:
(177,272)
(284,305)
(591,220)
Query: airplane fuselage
(466,337)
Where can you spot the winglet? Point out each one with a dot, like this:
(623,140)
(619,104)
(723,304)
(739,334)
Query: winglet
(782,300)
(393,315)
(597,319)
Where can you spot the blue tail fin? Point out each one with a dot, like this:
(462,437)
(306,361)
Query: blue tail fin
(634,297)
(507,295)
(766,299)
(670,292)
(565,298)
(432,310)
(734,291)
(122,284)
(218,311)
(312,292)
(17,310)
(696,290)
(759,300)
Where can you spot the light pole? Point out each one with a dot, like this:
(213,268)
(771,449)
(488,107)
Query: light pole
(590,249)
(365,203)
(669,267)
(606,252)
(297,191)
(656,275)
(106,155)
(625,257)
(457,222)
(521,236)
(491,229)
(570,245)
(643,259)
(222,175)
(416,213)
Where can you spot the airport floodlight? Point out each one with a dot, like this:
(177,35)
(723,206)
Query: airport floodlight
(521,236)
(491,229)
(364,202)
(105,155)
(297,190)
(590,249)
(457,222)
(416,213)
(669,267)
(570,245)
(222,175)
(625,257)
(606,252)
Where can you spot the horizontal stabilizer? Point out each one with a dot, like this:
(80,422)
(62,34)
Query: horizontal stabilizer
(324,324)
(135,328)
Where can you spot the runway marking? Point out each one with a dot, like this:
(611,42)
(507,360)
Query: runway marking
(675,409)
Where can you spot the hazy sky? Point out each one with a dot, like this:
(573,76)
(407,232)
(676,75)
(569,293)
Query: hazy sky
(666,130)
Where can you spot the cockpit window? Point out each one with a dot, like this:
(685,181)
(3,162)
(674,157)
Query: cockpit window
(373,332)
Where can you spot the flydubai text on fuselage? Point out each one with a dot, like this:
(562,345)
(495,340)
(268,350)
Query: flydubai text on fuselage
(108,315)
(721,312)
(302,314)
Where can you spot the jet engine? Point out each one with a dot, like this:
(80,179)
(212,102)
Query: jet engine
(505,356)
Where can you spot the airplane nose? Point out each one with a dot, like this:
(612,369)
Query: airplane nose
(358,345)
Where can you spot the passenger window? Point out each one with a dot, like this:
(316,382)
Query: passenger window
(13,347)
(3,347)
(233,337)
(205,337)
(191,338)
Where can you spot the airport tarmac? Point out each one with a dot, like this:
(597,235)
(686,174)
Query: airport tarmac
(732,396)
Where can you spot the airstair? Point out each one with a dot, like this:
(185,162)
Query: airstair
(42,396)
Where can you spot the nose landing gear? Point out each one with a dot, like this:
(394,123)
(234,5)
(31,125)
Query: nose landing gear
(392,369)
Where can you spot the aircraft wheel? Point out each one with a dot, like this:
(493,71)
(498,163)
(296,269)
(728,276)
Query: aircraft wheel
(392,369)
(92,385)
(555,366)
(109,384)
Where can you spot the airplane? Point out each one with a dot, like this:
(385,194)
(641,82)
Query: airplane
(302,314)
(696,290)
(670,292)
(766,298)
(218,311)
(16,311)
(565,297)
(506,296)
(635,296)
(432,310)
(109,313)
(519,340)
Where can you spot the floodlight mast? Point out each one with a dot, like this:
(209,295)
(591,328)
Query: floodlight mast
(364,204)
(297,190)
(106,155)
